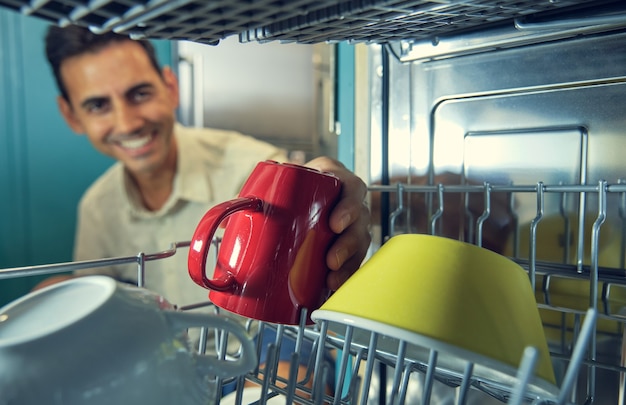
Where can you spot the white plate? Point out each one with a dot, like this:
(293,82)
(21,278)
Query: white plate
(493,375)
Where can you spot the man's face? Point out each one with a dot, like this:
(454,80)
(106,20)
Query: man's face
(122,104)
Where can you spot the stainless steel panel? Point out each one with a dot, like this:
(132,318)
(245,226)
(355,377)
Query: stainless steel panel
(551,113)
(521,157)
(569,84)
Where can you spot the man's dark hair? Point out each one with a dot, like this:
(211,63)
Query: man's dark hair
(65,42)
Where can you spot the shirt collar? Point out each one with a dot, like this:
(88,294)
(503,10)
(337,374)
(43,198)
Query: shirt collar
(191,182)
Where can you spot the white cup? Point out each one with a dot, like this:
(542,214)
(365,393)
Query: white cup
(92,340)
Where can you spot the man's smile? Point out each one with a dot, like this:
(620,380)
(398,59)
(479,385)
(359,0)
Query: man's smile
(134,143)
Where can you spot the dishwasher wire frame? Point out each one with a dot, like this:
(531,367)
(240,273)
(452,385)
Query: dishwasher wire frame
(355,362)
(300,21)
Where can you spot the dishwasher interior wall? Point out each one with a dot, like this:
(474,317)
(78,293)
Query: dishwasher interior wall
(537,133)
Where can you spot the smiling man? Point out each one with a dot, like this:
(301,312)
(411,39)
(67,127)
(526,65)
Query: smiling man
(166,177)
(113,90)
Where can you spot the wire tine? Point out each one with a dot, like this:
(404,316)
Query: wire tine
(438,213)
(566,226)
(595,237)
(405,384)
(369,367)
(486,212)
(272,356)
(280,331)
(355,379)
(430,374)
(468,221)
(343,365)
(304,313)
(533,235)
(259,344)
(524,373)
(318,380)
(398,370)
(569,380)
(293,377)
(141,269)
(202,341)
(466,383)
(241,381)
(622,217)
(318,390)
(399,210)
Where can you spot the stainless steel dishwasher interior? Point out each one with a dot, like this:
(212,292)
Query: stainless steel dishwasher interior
(536,132)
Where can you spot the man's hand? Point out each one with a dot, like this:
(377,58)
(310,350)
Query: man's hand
(350,219)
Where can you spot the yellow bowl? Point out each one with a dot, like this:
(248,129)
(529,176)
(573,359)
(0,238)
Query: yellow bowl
(447,295)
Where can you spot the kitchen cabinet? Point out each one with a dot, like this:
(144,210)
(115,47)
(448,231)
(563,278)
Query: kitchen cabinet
(44,166)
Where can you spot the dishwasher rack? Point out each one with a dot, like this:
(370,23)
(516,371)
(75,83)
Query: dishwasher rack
(366,372)
(585,212)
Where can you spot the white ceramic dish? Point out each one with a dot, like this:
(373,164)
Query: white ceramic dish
(93,341)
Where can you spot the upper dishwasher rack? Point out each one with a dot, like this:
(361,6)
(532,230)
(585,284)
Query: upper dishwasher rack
(301,21)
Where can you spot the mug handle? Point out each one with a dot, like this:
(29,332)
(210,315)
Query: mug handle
(203,235)
(211,365)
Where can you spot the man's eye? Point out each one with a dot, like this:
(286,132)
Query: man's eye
(96,107)
(141,95)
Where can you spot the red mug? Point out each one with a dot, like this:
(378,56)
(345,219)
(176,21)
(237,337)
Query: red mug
(272,259)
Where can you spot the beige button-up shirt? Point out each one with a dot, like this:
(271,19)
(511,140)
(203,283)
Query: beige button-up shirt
(212,167)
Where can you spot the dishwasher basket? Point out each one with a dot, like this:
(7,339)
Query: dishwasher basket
(361,371)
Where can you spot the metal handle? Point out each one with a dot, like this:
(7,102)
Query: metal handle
(613,20)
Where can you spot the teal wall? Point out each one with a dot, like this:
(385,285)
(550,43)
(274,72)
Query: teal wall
(44,167)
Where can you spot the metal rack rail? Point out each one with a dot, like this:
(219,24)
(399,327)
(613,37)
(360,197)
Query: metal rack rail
(358,354)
